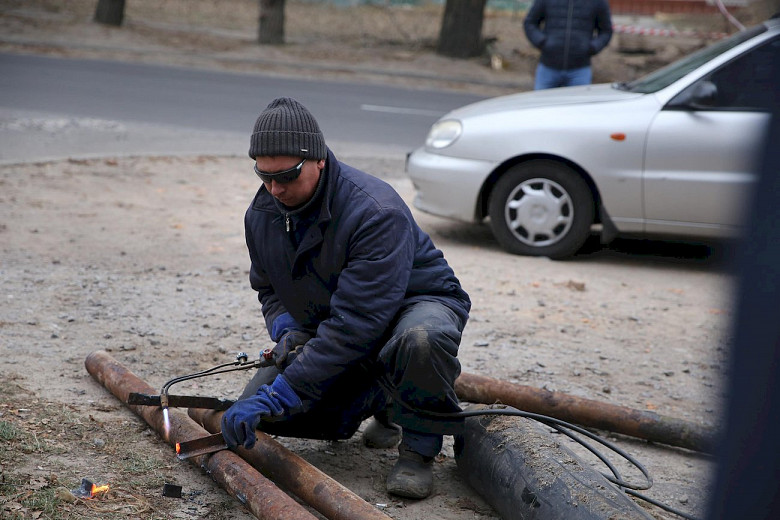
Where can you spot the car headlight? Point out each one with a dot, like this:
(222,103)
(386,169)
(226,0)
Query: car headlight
(443,133)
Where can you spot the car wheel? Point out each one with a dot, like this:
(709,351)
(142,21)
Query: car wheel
(541,208)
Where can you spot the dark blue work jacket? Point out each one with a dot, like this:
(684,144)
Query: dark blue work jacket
(568,32)
(343,271)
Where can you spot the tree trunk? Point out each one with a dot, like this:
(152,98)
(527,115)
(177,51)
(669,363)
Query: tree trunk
(461,29)
(271,27)
(110,12)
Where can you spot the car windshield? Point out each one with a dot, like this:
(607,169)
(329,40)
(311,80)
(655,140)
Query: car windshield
(665,76)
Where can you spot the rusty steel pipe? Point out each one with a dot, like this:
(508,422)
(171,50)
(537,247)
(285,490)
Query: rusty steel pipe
(235,475)
(297,476)
(586,412)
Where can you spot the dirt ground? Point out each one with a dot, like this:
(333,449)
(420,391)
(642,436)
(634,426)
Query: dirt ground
(144,257)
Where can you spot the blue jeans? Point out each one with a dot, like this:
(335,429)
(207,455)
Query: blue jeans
(418,360)
(547,77)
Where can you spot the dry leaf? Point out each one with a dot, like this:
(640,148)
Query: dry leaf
(37,483)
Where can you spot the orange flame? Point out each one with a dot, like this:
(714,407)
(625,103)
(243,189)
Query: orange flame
(98,489)
(178,448)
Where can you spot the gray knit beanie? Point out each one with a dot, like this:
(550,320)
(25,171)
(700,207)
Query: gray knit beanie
(286,127)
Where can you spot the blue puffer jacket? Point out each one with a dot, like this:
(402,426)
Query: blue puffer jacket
(360,257)
(574,30)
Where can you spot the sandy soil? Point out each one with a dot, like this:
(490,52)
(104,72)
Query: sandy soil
(144,257)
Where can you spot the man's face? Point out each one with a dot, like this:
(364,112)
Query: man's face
(297,192)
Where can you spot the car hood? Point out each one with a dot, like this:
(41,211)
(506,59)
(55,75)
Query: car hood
(542,98)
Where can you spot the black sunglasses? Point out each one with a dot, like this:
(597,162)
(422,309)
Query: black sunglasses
(282,177)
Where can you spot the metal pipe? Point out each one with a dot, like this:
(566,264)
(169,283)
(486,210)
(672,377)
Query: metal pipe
(587,412)
(523,471)
(297,476)
(235,475)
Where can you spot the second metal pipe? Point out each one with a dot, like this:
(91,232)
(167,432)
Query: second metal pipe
(586,412)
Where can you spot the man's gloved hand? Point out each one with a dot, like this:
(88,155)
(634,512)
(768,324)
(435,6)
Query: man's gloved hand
(288,347)
(273,402)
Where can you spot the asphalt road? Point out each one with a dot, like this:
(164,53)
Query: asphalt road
(53,107)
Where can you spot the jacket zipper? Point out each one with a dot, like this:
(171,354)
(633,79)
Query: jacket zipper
(287,225)
(568,36)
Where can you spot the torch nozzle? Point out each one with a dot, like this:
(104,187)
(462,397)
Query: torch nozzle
(241,363)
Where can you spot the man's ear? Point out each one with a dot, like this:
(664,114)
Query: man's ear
(321,164)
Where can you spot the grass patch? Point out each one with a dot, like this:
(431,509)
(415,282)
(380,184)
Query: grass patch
(9,432)
(44,500)
(138,464)
(46,448)
(25,497)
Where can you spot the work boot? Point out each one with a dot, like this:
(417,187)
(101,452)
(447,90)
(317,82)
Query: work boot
(381,432)
(412,475)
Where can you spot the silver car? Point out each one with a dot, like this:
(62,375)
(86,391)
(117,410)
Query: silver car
(672,153)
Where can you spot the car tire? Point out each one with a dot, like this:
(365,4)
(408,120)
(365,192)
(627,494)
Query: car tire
(541,208)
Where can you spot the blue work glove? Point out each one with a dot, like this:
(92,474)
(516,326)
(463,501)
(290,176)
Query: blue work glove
(288,348)
(272,402)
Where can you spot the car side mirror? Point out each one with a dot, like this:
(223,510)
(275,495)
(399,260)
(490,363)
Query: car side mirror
(702,94)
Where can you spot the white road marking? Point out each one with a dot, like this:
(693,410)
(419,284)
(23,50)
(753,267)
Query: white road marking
(401,110)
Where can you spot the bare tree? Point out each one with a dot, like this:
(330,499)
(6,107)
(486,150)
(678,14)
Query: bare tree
(271,25)
(461,29)
(110,12)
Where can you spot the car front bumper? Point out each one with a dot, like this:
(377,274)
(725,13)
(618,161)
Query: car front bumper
(447,186)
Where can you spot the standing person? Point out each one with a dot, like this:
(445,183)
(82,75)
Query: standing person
(366,313)
(568,33)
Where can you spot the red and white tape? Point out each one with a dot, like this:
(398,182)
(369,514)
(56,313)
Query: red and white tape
(647,31)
